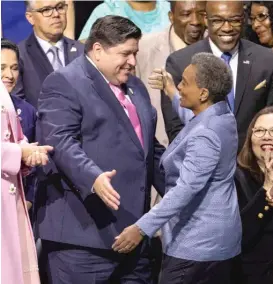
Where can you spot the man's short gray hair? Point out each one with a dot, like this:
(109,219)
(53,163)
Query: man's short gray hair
(212,74)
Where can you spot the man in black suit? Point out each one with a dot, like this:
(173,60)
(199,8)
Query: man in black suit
(46,49)
(250,63)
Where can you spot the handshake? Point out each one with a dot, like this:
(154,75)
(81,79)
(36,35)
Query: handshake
(34,155)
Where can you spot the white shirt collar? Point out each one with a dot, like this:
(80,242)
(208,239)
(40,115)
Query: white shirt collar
(92,62)
(45,45)
(218,53)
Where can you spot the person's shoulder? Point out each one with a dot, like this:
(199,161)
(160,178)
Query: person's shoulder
(164,5)
(22,104)
(64,77)
(108,7)
(256,49)
(190,50)
(75,43)
(23,44)
(153,41)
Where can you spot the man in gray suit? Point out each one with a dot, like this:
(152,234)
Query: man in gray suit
(46,49)
(199,213)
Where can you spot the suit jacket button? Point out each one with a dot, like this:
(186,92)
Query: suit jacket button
(260,215)
(266,208)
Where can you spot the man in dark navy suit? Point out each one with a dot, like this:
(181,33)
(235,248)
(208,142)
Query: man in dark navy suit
(100,120)
(46,49)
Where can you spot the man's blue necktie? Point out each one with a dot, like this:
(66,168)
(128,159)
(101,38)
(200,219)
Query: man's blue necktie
(226,56)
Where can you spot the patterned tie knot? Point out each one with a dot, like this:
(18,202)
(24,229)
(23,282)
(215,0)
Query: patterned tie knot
(54,50)
(56,61)
(226,56)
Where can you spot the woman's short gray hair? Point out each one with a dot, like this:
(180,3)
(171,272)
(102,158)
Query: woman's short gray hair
(212,74)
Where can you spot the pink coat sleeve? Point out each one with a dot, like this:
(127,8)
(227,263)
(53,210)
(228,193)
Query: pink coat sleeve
(11,155)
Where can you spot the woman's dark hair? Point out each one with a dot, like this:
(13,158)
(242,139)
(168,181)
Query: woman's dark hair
(268,5)
(7,44)
(246,158)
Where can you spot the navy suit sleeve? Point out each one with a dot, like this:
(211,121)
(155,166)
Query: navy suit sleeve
(60,116)
(158,176)
(30,181)
(202,156)
(172,122)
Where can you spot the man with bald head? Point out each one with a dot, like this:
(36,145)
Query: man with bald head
(46,49)
(251,66)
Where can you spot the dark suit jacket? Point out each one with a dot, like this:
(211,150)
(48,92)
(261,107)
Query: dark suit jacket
(35,66)
(257,248)
(254,66)
(81,118)
(27,116)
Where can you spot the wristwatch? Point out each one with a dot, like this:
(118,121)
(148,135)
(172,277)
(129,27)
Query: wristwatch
(141,232)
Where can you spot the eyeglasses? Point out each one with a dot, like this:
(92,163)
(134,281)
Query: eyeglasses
(219,22)
(260,18)
(61,8)
(260,132)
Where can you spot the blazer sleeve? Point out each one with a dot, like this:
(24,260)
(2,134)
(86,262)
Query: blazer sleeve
(60,115)
(202,156)
(171,120)
(11,155)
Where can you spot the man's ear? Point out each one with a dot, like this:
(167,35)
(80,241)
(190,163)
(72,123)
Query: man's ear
(170,14)
(97,50)
(29,17)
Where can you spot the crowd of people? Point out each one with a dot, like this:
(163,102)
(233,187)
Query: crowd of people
(143,151)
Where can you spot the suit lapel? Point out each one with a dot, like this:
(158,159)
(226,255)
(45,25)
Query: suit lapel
(105,92)
(136,100)
(244,68)
(194,125)
(37,55)
(70,51)
(190,126)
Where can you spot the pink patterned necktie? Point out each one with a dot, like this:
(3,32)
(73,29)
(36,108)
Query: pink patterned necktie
(131,109)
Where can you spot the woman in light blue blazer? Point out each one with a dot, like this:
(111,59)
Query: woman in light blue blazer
(199,214)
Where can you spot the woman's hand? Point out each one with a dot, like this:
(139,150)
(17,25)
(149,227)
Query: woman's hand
(160,79)
(268,176)
(34,155)
(128,240)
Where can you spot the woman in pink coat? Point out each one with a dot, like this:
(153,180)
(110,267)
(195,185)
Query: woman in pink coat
(18,253)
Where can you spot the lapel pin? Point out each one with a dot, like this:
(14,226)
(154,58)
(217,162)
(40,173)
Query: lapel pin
(19,111)
(246,62)
(73,49)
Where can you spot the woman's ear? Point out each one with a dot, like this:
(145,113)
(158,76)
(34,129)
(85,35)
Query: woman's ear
(204,95)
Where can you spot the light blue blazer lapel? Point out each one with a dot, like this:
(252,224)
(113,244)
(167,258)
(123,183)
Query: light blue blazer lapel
(216,109)
(181,136)
(136,99)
